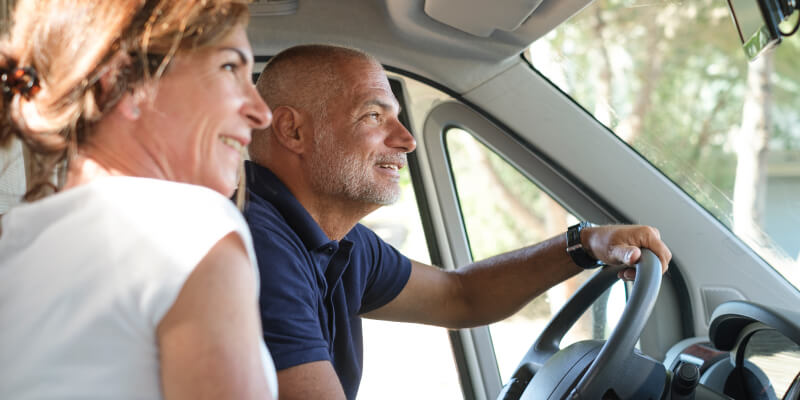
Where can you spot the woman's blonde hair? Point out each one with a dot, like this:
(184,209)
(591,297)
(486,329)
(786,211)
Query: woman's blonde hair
(65,47)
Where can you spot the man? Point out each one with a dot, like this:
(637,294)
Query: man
(330,157)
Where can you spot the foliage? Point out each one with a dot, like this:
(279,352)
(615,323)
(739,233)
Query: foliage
(677,86)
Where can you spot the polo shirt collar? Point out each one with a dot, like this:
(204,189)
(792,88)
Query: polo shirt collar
(264,183)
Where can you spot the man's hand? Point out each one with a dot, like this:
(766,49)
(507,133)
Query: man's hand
(620,244)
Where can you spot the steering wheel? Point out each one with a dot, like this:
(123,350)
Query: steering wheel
(594,369)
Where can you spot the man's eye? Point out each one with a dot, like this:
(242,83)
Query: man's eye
(374,115)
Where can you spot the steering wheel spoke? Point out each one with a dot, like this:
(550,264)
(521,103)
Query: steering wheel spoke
(589,369)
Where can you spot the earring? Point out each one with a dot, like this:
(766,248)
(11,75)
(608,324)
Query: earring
(135,112)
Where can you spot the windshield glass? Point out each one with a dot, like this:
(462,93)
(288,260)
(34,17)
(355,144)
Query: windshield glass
(671,79)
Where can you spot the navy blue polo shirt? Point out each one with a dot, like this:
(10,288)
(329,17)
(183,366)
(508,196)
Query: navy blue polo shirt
(314,289)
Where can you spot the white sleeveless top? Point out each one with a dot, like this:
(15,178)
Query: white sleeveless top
(87,275)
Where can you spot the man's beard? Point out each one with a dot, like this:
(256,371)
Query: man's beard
(336,172)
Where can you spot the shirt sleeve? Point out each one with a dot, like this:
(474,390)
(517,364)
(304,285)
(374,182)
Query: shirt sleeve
(166,237)
(289,320)
(389,272)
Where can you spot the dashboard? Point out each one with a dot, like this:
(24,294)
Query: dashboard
(752,352)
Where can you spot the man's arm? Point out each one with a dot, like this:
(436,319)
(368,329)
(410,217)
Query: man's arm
(495,288)
(314,380)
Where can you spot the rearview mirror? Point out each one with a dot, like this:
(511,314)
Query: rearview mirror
(757,23)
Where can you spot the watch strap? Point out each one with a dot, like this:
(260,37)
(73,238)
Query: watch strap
(575,247)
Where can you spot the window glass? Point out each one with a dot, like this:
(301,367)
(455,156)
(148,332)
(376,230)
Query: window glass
(502,211)
(12,175)
(671,79)
(12,166)
(775,356)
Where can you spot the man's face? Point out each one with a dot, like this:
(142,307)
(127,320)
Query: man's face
(361,145)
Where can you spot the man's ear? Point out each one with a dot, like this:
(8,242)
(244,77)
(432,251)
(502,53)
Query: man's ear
(289,126)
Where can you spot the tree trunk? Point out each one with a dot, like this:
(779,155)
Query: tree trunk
(749,192)
(706,131)
(602,101)
(649,74)
(519,212)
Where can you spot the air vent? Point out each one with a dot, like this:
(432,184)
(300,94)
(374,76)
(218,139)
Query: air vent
(271,8)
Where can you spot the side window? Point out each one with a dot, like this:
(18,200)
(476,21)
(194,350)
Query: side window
(396,354)
(12,167)
(12,175)
(503,210)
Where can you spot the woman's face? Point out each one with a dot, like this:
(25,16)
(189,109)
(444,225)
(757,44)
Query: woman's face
(201,117)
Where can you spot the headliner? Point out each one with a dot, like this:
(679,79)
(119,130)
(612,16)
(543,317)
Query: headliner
(400,34)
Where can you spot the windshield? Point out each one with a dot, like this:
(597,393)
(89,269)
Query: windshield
(671,79)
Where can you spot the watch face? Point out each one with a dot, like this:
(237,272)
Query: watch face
(574,237)
(575,247)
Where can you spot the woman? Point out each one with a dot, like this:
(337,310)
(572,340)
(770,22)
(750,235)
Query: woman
(136,279)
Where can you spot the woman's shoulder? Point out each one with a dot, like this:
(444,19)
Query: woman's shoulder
(154,191)
(167,216)
(161,202)
(166,220)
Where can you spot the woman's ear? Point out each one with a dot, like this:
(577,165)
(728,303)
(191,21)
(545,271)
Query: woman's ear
(128,106)
(289,127)
(128,103)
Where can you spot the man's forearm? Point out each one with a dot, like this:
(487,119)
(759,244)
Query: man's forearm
(492,289)
(497,287)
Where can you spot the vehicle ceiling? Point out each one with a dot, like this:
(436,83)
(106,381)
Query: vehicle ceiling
(401,34)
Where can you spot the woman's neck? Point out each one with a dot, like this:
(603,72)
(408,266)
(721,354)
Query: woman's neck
(113,150)
(83,170)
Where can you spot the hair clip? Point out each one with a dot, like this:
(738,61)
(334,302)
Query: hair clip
(22,81)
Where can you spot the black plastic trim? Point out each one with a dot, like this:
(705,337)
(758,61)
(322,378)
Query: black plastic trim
(731,318)
(434,251)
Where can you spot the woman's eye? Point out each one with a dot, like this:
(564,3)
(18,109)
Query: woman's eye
(232,67)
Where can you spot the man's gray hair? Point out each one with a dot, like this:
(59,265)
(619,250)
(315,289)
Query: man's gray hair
(305,77)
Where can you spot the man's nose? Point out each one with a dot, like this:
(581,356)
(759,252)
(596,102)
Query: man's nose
(401,138)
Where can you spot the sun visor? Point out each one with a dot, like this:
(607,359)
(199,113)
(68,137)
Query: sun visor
(481,17)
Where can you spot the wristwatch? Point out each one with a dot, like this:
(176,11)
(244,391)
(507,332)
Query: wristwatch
(575,248)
